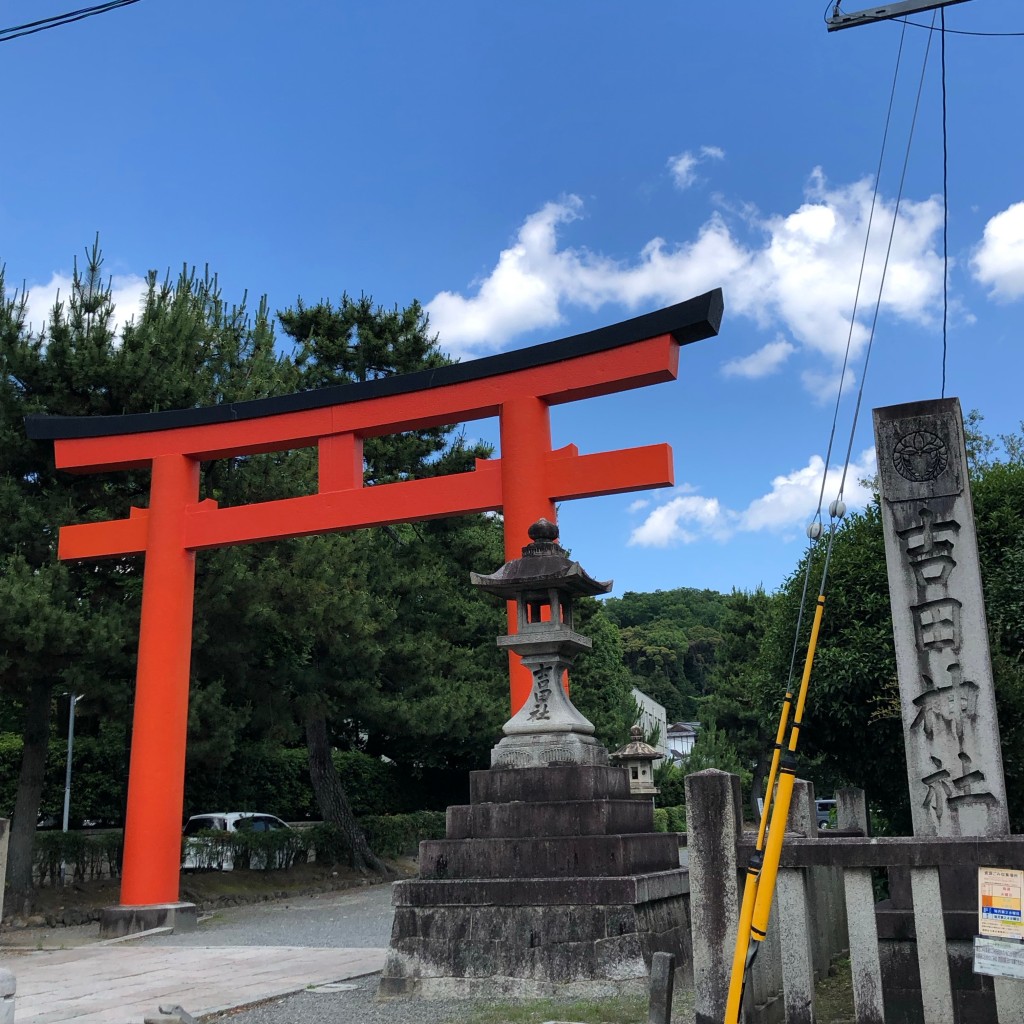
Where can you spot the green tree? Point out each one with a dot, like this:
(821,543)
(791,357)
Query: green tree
(731,700)
(72,627)
(600,684)
(713,749)
(352,660)
(850,739)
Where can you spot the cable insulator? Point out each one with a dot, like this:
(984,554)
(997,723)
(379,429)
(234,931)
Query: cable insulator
(837,509)
(814,531)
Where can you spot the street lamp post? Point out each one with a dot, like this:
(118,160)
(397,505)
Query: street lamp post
(75,698)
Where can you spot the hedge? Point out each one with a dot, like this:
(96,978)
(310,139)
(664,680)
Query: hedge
(670,819)
(94,855)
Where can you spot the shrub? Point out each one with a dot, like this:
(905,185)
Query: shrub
(676,818)
(388,835)
(86,856)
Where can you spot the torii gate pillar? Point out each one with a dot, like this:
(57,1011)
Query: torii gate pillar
(524,484)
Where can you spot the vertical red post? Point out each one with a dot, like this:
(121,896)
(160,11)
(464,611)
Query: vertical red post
(156,777)
(525,445)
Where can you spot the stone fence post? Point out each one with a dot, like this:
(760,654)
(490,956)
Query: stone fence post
(5,835)
(851,810)
(714,821)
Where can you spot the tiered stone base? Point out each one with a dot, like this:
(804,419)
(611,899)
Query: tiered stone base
(552,881)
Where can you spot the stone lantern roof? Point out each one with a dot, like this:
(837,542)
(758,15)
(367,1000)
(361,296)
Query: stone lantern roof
(636,749)
(545,565)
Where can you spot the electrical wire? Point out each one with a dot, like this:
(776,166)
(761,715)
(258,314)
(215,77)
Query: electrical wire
(32,27)
(885,267)
(816,518)
(960,31)
(945,210)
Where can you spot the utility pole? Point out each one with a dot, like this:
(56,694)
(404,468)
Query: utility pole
(839,20)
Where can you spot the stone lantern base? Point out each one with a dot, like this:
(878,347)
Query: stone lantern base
(552,881)
(543,749)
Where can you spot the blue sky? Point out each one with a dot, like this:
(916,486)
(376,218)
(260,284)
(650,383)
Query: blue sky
(529,171)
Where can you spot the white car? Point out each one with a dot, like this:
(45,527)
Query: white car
(202,852)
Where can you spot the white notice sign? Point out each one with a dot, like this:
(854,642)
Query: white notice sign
(1000,893)
(998,957)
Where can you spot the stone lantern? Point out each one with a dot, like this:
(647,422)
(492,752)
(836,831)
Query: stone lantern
(638,758)
(548,729)
(552,879)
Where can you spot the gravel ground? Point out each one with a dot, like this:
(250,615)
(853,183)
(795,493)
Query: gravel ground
(350,918)
(349,1006)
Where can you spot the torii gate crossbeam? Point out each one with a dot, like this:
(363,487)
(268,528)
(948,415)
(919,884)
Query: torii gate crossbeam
(523,483)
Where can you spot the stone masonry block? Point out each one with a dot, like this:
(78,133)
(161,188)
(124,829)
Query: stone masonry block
(572,782)
(631,889)
(550,818)
(555,857)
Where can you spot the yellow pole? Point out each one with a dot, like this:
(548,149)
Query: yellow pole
(780,810)
(739,958)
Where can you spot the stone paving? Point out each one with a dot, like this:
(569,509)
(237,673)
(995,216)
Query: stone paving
(125,983)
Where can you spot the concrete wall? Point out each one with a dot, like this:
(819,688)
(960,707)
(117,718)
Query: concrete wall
(652,715)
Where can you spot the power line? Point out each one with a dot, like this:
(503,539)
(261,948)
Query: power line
(945,210)
(959,31)
(32,27)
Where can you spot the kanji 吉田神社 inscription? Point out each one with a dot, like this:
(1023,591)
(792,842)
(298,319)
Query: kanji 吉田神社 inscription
(954,759)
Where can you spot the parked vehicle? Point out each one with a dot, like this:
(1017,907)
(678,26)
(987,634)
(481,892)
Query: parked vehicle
(204,851)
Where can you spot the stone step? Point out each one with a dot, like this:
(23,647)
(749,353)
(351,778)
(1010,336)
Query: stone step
(518,892)
(555,857)
(561,782)
(550,818)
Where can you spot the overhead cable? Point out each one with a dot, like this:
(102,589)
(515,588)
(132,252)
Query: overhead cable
(945,212)
(32,27)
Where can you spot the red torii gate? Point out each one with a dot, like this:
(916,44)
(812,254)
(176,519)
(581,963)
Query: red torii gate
(524,483)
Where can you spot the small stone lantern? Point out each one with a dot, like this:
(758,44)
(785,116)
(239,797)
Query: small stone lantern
(547,729)
(638,758)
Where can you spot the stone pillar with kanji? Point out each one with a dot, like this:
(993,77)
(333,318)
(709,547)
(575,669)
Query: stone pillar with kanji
(954,759)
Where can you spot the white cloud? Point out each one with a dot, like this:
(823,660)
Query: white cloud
(686,518)
(683,520)
(522,292)
(639,505)
(794,496)
(825,386)
(797,271)
(998,261)
(127,293)
(684,165)
(767,359)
